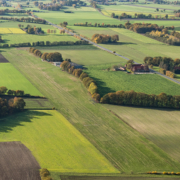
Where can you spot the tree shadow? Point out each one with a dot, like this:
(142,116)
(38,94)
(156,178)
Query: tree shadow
(5,40)
(121,43)
(8,123)
(102,88)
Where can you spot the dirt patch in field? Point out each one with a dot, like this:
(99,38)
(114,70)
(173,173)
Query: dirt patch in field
(3,59)
(112,178)
(17,162)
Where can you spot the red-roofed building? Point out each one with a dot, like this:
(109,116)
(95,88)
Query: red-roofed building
(139,68)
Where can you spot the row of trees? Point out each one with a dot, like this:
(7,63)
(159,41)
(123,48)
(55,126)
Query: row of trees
(5,11)
(45,174)
(99,25)
(132,98)
(27,20)
(138,16)
(50,57)
(165,2)
(88,82)
(54,7)
(103,39)
(11,106)
(43,43)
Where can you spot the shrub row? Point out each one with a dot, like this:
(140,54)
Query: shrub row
(52,57)
(47,43)
(45,174)
(88,82)
(99,25)
(165,173)
(132,98)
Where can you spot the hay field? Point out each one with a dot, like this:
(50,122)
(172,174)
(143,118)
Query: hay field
(54,142)
(161,126)
(124,147)
(13,79)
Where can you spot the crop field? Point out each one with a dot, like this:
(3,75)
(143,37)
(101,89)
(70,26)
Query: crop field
(55,143)
(17,162)
(13,79)
(160,126)
(85,55)
(79,15)
(123,146)
(112,81)
(11,31)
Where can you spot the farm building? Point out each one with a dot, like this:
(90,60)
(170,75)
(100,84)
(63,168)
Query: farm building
(139,68)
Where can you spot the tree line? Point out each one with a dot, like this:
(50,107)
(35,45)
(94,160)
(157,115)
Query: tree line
(86,24)
(104,39)
(53,7)
(5,11)
(132,98)
(45,43)
(27,20)
(32,30)
(50,57)
(11,106)
(88,82)
(138,16)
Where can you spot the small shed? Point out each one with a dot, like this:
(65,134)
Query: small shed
(56,63)
(139,68)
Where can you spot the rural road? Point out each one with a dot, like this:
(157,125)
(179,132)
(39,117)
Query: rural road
(105,49)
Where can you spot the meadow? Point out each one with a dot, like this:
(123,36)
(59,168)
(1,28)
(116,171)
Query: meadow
(123,146)
(160,126)
(54,142)
(13,79)
(112,81)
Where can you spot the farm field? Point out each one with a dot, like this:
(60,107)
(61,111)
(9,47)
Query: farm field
(160,126)
(54,142)
(79,15)
(120,144)
(85,55)
(11,31)
(112,81)
(13,79)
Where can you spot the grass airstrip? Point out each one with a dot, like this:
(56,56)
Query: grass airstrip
(55,143)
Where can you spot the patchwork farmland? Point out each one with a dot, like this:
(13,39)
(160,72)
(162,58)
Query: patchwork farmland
(52,117)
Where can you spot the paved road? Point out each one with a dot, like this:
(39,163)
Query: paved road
(60,28)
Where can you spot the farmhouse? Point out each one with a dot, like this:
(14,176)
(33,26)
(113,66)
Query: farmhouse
(139,68)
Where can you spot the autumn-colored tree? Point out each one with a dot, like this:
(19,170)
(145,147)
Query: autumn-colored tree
(44,56)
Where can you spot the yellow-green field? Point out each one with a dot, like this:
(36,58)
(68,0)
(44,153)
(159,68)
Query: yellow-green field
(55,143)
(161,126)
(11,31)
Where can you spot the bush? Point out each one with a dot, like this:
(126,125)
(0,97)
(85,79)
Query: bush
(45,174)
(44,56)
(3,89)
(162,71)
(87,81)
(55,57)
(64,65)
(92,88)
(83,75)
(96,97)
(77,72)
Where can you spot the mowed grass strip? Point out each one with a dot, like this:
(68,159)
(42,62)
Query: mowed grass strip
(13,79)
(161,126)
(55,143)
(124,147)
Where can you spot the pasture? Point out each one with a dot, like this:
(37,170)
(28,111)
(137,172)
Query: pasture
(13,79)
(112,81)
(123,146)
(54,142)
(161,126)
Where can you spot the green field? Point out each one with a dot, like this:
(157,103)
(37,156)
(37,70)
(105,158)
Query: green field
(54,142)
(79,15)
(13,79)
(124,147)
(158,125)
(85,55)
(112,81)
